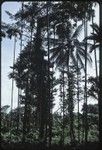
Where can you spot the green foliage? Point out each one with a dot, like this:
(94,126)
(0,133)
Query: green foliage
(53,41)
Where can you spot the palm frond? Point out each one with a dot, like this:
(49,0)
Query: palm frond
(77,43)
(95,27)
(77,31)
(10,14)
(61,59)
(81,52)
(52,40)
(54,51)
(91,37)
(73,59)
(82,44)
(89,59)
(81,62)
(93,47)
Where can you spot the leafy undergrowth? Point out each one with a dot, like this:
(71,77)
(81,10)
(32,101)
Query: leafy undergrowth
(28,146)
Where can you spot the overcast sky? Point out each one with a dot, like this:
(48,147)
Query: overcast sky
(7,54)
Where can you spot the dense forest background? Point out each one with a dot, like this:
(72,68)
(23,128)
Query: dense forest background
(54,57)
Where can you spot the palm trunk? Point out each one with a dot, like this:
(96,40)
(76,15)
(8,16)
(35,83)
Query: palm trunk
(12,88)
(41,97)
(95,56)
(27,110)
(19,94)
(100,82)
(78,98)
(18,112)
(86,119)
(0,89)
(63,99)
(68,93)
(71,117)
(49,103)
(19,90)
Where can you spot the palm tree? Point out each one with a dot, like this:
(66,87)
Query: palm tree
(78,71)
(97,37)
(100,79)
(19,90)
(10,31)
(61,52)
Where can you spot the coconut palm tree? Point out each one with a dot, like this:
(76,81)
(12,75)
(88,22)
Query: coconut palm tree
(85,92)
(66,52)
(61,52)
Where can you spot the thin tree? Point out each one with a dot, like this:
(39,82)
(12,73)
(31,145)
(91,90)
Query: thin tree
(78,98)
(95,56)
(63,107)
(12,87)
(49,95)
(100,80)
(98,44)
(19,90)
(86,119)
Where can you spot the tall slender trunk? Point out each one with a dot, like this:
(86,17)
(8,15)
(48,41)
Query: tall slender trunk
(18,111)
(49,100)
(71,107)
(95,56)
(12,87)
(86,118)
(0,89)
(27,109)
(68,92)
(19,90)
(100,82)
(71,117)
(78,98)
(63,108)
(41,97)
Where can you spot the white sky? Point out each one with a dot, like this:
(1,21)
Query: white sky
(7,55)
